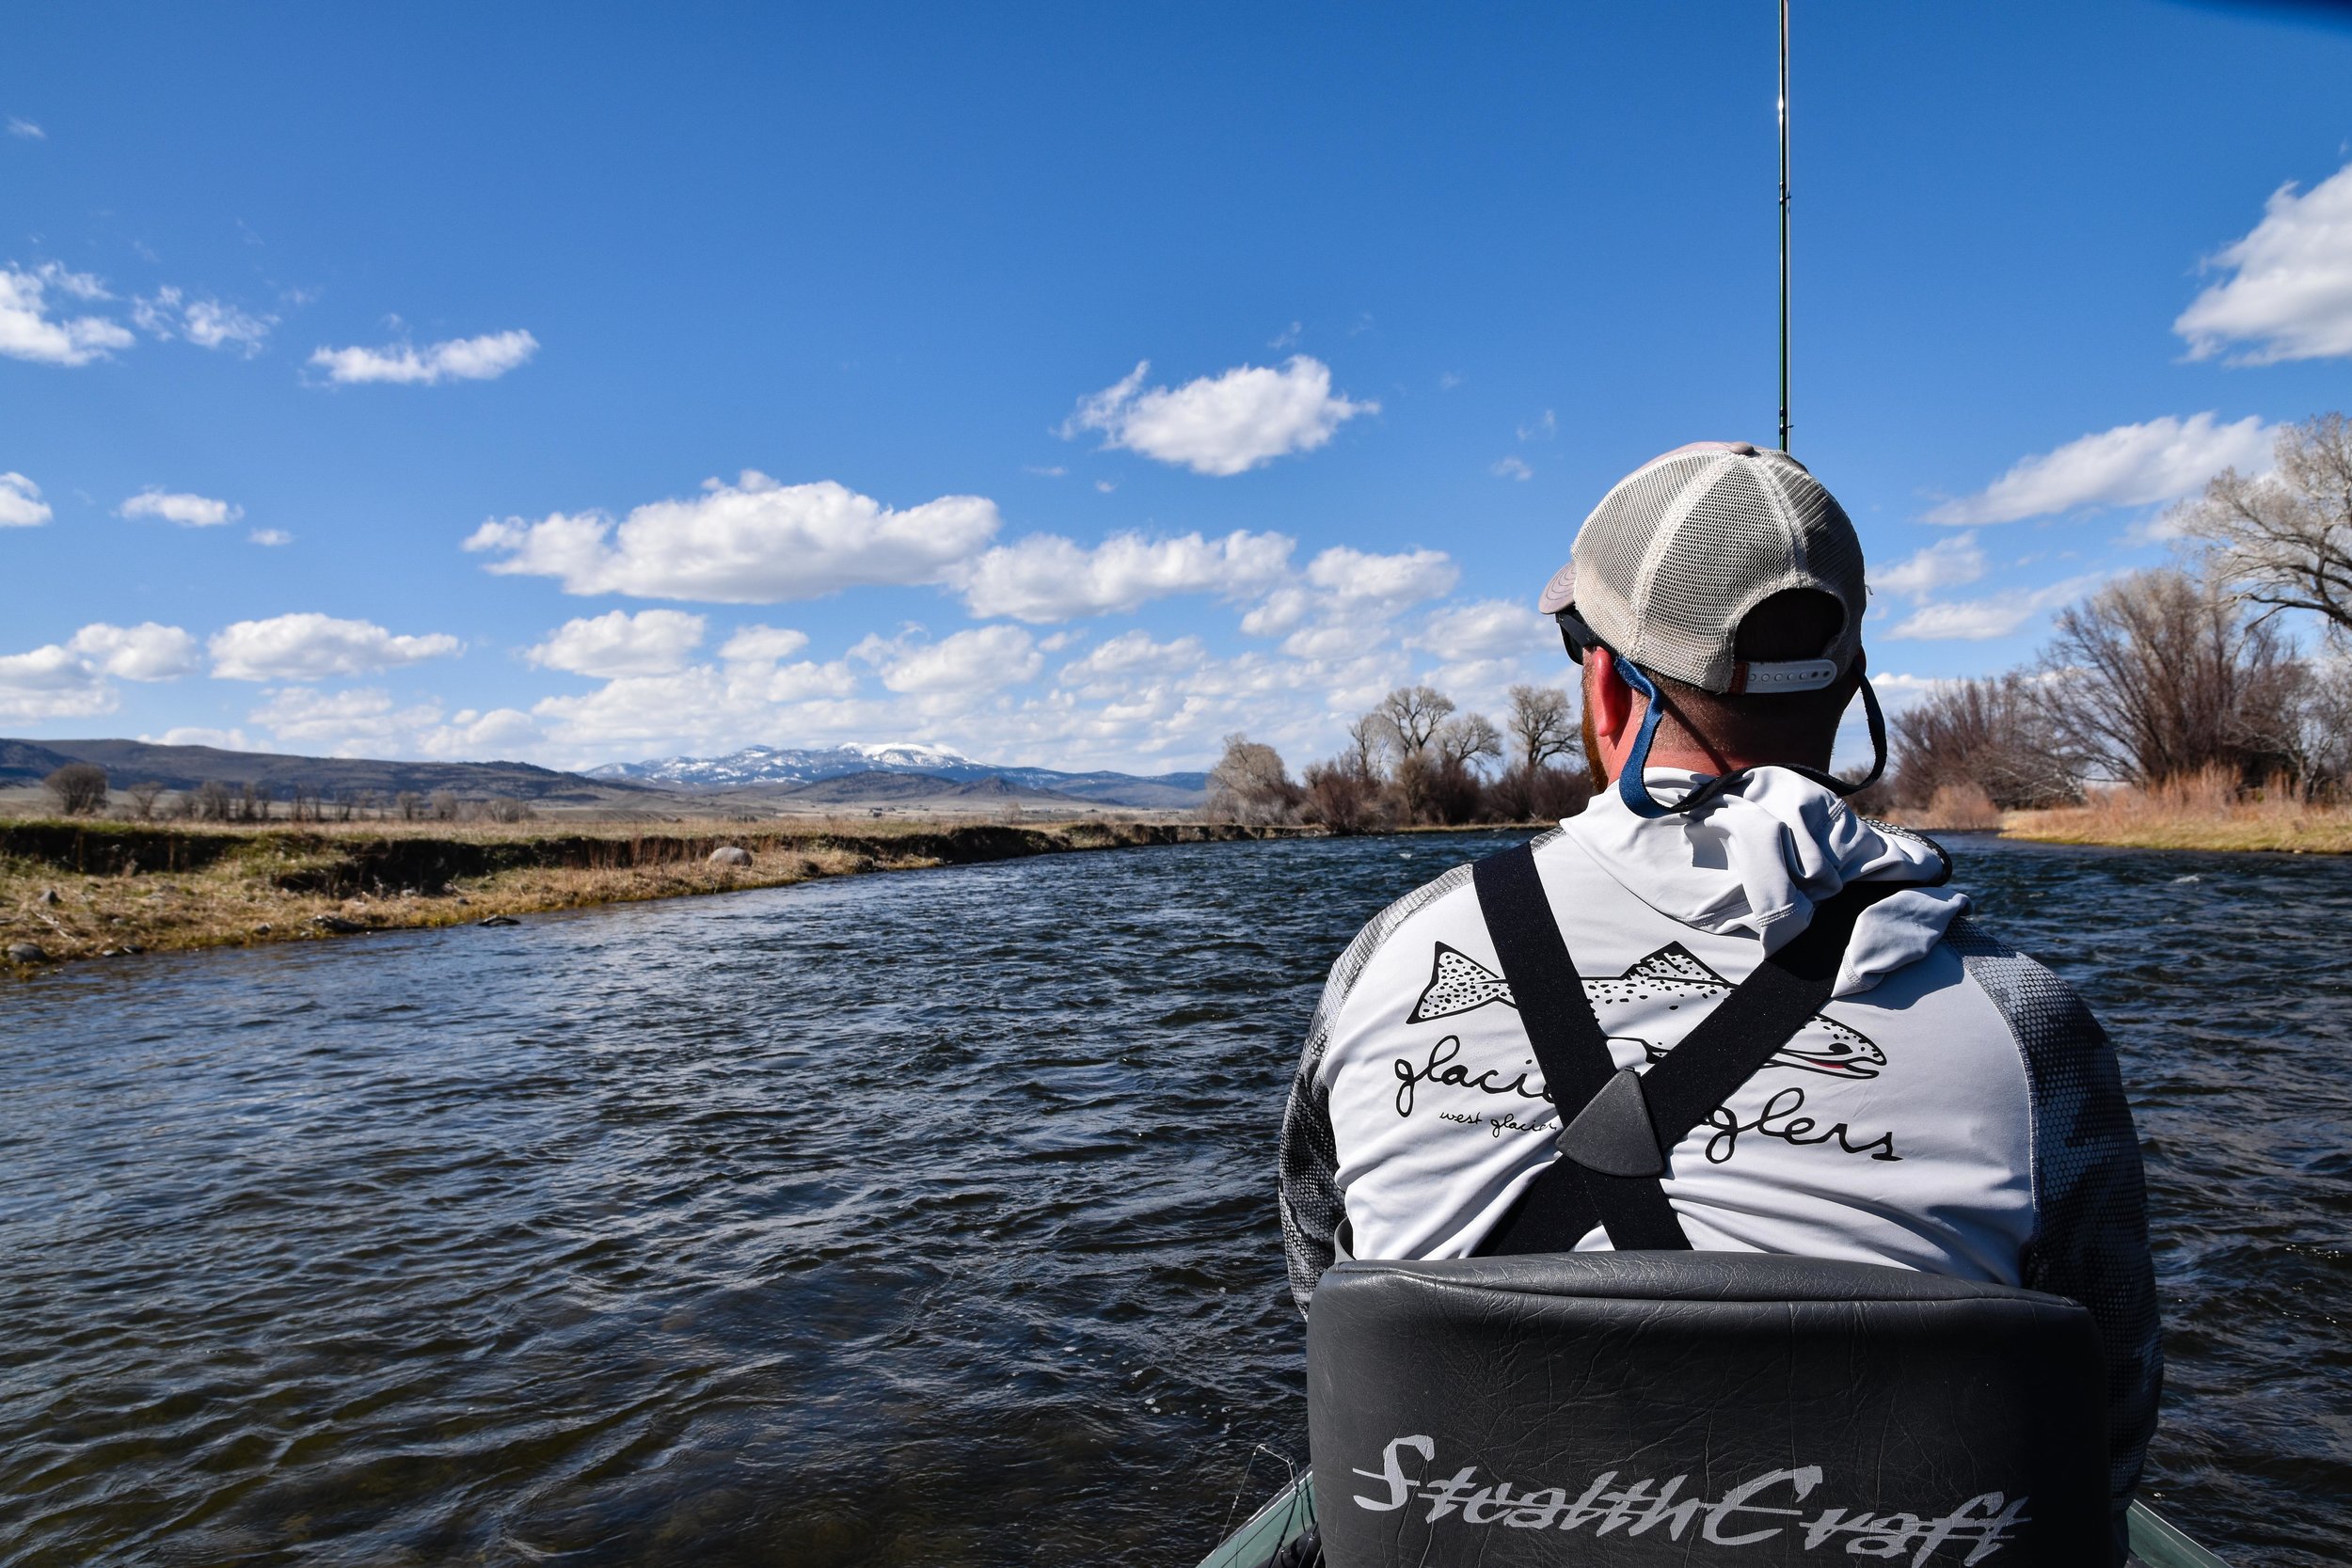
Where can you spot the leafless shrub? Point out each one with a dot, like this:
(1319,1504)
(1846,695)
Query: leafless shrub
(409,804)
(1958,807)
(143,798)
(443,805)
(79,788)
(505,808)
(212,802)
(1341,797)
(1250,784)
(1992,734)
(2160,674)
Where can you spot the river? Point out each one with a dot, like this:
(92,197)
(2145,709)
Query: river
(923,1218)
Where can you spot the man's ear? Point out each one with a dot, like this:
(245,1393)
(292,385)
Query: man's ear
(1610,699)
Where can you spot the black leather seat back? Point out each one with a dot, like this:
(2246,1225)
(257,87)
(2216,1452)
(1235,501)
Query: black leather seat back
(1600,1409)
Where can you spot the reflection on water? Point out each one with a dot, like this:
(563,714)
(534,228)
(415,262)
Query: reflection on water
(919,1218)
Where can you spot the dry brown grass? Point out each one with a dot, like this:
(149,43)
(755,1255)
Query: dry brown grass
(76,890)
(2204,811)
(1961,808)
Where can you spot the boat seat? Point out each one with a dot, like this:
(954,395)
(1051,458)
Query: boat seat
(1600,1409)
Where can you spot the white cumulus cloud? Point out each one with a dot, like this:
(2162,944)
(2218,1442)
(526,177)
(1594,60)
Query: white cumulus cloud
(21,505)
(701,705)
(1221,424)
(147,652)
(650,642)
(359,722)
(483,358)
(308,646)
(1952,562)
(1488,628)
(25,130)
(753,542)
(75,678)
(472,735)
(52,682)
(270,536)
(2132,465)
(1983,619)
(981,660)
(177,506)
(29,330)
(762,644)
(1353,580)
(1131,651)
(2290,293)
(1048,578)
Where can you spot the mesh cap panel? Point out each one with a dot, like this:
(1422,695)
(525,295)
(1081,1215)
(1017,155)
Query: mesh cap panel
(1681,549)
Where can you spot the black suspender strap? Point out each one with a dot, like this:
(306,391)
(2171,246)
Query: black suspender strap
(1617,1125)
(1566,1198)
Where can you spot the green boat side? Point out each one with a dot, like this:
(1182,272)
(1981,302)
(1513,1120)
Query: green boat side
(2156,1542)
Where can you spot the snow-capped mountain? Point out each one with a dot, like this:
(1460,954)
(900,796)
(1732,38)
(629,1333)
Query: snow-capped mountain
(780,765)
(789,766)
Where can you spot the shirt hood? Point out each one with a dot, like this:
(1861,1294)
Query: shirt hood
(1757,859)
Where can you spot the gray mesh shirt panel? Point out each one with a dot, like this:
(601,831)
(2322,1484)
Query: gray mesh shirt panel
(2090,1201)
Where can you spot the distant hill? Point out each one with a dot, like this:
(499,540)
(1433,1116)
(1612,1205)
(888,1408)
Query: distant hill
(760,765)
(877,787)
(131,761)
(870,775)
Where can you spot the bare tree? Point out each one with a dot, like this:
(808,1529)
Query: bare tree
(2159,675)
(1412,715)
(252,803)
(143,798)
(411,804)
(444,804)
(1250,784)
(1368,741)
(79,788)
(212,802)
(1467,739)
(1340,795)
(1543,721)
(1992,733)
(2284,539)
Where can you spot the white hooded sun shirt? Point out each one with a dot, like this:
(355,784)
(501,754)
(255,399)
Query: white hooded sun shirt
(1954,1109)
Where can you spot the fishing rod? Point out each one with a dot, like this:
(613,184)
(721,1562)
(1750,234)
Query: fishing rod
(1784,224)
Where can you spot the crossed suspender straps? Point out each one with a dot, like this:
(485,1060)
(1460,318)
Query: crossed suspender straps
(1616,1125)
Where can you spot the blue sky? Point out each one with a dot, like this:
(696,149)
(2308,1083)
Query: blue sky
(582,384)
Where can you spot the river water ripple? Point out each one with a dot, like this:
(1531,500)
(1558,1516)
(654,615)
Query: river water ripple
(921,1218)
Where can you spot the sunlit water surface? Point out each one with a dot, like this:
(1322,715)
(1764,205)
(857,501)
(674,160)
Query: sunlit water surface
(921,1218)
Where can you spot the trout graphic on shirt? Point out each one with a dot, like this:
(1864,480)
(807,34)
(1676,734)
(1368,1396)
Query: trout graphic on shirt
(1460,984)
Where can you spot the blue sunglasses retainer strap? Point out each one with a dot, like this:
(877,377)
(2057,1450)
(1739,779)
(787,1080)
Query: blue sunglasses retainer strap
(1634,790)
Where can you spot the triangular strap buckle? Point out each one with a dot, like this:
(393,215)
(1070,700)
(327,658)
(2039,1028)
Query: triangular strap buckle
(1613,1134)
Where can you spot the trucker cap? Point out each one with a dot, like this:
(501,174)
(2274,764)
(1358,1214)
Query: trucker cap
(1681,549)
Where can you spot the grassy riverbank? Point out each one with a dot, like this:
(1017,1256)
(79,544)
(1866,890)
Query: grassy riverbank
(75,890)
(2198,813)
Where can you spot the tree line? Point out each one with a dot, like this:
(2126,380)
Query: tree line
(83,789)
(1417,760)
